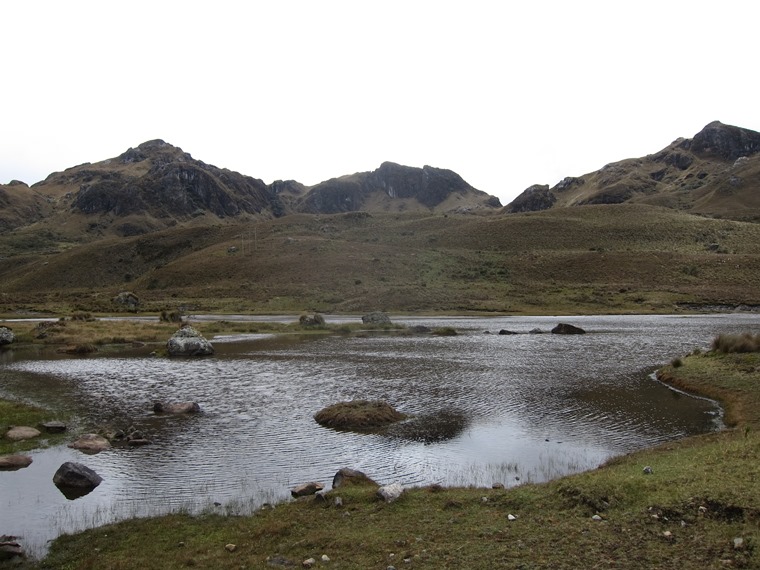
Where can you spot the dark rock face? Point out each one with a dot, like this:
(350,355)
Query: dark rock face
(725,141)
(428,185)
(564,328)
(535,198)
(175,186)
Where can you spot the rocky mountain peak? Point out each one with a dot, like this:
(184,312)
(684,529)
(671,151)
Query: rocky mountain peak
(725,141)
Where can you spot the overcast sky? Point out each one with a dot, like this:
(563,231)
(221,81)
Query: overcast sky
(507,94)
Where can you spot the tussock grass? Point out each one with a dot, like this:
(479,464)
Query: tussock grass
(730,343)
(358,414)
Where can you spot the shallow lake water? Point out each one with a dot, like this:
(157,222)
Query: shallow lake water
(489,408)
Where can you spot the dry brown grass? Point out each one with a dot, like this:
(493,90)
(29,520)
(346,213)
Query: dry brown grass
(358,414)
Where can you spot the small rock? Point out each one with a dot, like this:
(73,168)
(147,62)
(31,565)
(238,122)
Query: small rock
(738,543)
(483,499)
(511,517)
(90,443)
(648,470)
(230,547)
(346,476)
(497,486)
(338,501)
(325,558)
(54,427)
(668,535)
(20,433)
(306,489)
(390,493)
(308,563)
(10,550)
(597,518)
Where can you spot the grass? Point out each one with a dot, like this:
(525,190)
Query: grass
(358,414)
(14,413)
(699,508)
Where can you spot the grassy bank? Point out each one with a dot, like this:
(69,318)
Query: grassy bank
(698,508)
(13,413)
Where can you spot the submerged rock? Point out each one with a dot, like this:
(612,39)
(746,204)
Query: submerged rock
(177,408)
(91,443)
(14,462)
(564,328)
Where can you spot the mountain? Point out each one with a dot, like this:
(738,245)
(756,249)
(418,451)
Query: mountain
(156,186)
(716,173)
(396,187)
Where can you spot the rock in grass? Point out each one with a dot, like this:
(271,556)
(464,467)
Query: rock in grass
(346,476)
(306,489)
(20,433)
(10,549)
(54,427)
(390,493)
(187,341)
(14,462)
(376,318)
(358,414)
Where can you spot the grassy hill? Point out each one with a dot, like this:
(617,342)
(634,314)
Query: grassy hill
(602,258)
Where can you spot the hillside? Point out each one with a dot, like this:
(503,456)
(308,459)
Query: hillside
(601,258)
(715,173)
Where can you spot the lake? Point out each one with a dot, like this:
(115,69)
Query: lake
(490,408)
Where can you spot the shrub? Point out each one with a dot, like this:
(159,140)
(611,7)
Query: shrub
(729,343)
(676,363)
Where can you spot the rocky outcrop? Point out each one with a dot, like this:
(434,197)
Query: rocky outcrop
(14,462)
(188,341)
(534,198)
(128,300)
(6,336)
(428,186)
(725,141)
(75,480)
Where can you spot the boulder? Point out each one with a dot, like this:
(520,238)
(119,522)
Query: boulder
(91,443)
(346,476)
(77,478)
(505,331)
(306,489)
(20,433)
(376,318)
(6,336)
(390,493)
(187,341)
(564,328)
(314,320)
(127,299)
(177,408)
(13,462)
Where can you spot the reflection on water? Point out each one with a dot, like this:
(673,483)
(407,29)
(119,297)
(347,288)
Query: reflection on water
(490,408)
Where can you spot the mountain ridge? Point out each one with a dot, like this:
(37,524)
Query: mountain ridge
(716,173)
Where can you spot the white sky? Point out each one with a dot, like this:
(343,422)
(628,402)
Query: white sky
(507,94)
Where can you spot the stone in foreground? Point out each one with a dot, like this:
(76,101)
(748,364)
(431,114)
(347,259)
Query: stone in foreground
(75,480)
(346,476)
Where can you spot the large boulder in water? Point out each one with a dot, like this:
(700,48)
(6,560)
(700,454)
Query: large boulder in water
(91,443)
(6,336)
(75,480)
(187,341)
